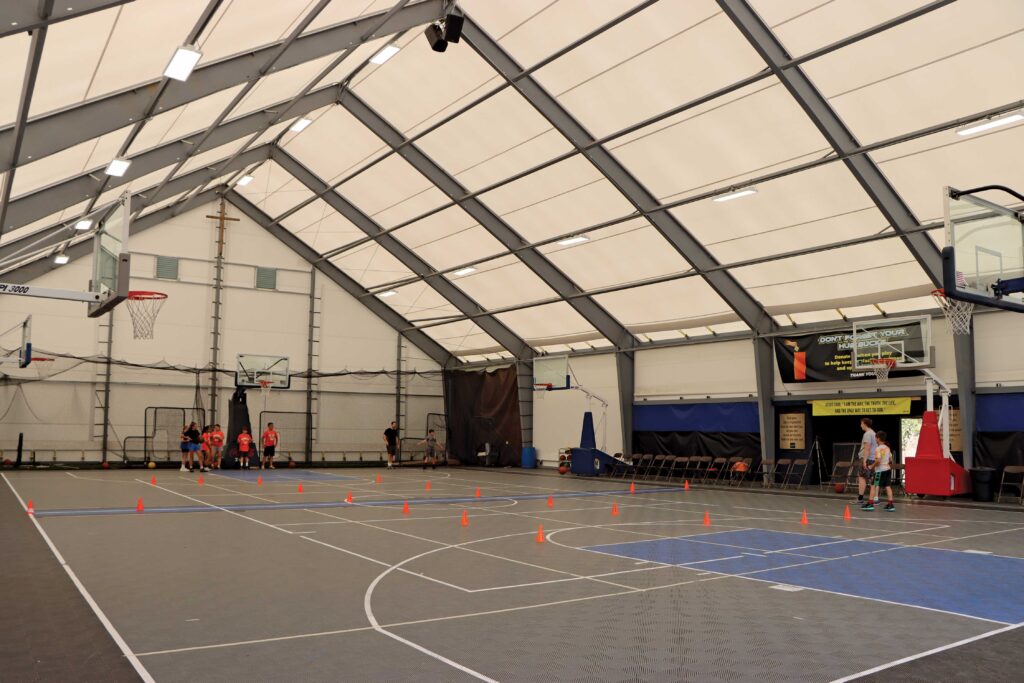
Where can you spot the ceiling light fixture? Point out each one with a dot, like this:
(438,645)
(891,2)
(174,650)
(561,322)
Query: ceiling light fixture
(735,194)
(118,167)
(300,125)
(385,53)
(183,61)
(244,180)
(464,271)
(575,239)
(385,295)
(61,259)
(989,124)
(83,224)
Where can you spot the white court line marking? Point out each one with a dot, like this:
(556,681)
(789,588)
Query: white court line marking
(920,655)
(215,507)
(125,650)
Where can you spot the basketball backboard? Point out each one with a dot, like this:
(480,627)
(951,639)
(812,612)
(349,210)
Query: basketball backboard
(983,261)
(551,372)
(907,341)
(254,368)
(111,260)
(16,344)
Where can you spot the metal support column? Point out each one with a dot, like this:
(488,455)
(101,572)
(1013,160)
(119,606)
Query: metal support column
(107,371)
(310,340)
(624,368)
(524,381)
(963,352)
(764,369)
(218,290)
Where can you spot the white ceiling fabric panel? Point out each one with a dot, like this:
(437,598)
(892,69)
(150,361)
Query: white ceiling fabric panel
(11,235)
(70,57)
(448,238)
(279,86)
(920,169)
(334,144)
(934,69)
(531,30)
(274,190)
(625,253)
(549,322)
(180,121)
(210,156)
(321,227)
(461,338)
(420,302)
(371,265)
(242,26)
(805,25)
(344,10)
(505,281)
(742,138)
(819,206)
(569,195)
(634,71)
(14,57)
(418,85)
(833,278)
(667,305)
(67,163)
(392,191)
(495,140)
(356,58)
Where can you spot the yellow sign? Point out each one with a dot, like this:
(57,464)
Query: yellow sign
(956,437)
(862,406)
(792,427)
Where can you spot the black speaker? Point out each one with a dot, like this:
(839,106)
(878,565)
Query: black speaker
(453,27)
(436,38)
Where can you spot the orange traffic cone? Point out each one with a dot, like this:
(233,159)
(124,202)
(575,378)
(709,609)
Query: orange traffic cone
(200,480)
(686,485)
(803,518)
(348,498)
(259,480)
(427,487)
(139,507)
(378,479)
(30,508)
(615,509)
(707,519)
(301,489)
(405,508)
(478,492)
(846,513)
(540,533)
(465,518)
(551,501)
(632,488)
(152,480)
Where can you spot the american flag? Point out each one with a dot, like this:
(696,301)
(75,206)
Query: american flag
(961,280)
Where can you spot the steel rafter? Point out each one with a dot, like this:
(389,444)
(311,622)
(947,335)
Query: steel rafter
(870,177)
(735,296)
(455,296)
(568,290)
(60,130)
(22,15)
(430,347)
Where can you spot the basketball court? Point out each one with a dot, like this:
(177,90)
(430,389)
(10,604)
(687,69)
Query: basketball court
(394,340)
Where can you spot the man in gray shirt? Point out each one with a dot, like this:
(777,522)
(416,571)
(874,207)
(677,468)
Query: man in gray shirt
(868,445)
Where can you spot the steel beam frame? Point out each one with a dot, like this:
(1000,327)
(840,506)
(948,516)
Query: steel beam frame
(434,351)
(23,15)
(558,281)
(736,297)
(455,296)
(60,130)
(624,369)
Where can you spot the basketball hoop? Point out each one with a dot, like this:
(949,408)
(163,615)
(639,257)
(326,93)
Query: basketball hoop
(265,385)
(958,313)
(143,307)
(881,367)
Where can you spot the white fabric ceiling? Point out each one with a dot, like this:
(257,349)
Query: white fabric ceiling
(947,64)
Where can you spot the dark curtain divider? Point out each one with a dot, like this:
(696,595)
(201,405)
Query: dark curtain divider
(483,407)
(998,449)
(715,444)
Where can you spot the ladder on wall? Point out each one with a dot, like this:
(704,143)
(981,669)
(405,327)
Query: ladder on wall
(313,365)
(402,366)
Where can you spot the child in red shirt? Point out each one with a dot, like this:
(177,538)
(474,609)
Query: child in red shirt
(244,448)
(270,439)
(216,445)
(204,450)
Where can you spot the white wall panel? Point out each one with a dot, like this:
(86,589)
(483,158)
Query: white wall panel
(716,369)
(997,338)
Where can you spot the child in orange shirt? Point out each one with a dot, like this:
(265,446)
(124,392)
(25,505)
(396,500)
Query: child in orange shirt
(270,439)
(216,445)
(244,448)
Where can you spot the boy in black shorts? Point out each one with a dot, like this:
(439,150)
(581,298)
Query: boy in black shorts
(391,442)
(430,455)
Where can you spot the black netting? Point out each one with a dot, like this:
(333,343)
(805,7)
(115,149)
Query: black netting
(163,426)
(291,430)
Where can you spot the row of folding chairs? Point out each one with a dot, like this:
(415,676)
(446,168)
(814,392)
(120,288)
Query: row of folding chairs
(1011,481)
(698,469)
(845,472)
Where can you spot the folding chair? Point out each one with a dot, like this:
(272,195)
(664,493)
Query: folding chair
(1016,482)
(621,466)
(899,477)
(679,466)
(666,467)
(725,472)
(632,462)
(736,478)
(782,466)
(703,463)
(714,469)
(640,465)
(654,466)
(765,473)
(797,470)
(840,473)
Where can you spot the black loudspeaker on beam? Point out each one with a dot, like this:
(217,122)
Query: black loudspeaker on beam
(436,38)
(453,27)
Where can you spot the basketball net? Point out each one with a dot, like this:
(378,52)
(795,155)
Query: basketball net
(957,313)
(143,307)
(265,390)
(881,367)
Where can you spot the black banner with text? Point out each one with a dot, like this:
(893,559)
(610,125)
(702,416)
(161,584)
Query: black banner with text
(828,356)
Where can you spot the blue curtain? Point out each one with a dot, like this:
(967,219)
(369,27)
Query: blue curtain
(697,417)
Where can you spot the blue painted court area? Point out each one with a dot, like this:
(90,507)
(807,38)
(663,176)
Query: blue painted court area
(920,577)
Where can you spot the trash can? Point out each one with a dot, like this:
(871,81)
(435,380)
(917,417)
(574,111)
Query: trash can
(529,459)
(982,483)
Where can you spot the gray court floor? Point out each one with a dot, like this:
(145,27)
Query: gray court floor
(236,579)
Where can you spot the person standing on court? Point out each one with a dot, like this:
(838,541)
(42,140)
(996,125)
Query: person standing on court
(270,441)
(391,442)
(866,464)
(195,441)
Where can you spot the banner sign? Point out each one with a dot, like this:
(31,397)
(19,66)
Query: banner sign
(861,406)
(828,356)
(792,428)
